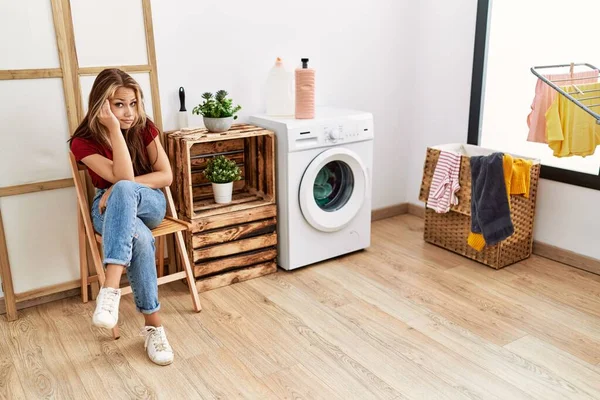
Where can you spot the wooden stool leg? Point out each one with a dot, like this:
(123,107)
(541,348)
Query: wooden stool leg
(98,265)
(189,274)
(116,333)
(94,286)
(83,266)
(160,251)
(174,262)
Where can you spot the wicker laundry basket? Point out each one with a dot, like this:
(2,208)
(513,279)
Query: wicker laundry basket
(450,230)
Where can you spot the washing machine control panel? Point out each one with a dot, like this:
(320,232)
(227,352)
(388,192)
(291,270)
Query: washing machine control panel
(347,131)
(330,132)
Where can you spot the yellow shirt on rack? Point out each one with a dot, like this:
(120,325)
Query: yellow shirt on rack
(570,130)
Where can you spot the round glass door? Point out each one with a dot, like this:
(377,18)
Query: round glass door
(333,188)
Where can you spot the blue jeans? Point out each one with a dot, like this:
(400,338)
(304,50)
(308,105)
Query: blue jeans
(132,210)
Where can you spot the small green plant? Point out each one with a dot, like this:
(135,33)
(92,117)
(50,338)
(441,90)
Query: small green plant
(220,169)
(218,106)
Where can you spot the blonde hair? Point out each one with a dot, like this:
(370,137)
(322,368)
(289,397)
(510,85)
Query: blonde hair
(106,84)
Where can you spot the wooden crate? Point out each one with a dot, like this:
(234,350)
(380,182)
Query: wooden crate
(252,147)
(229,242)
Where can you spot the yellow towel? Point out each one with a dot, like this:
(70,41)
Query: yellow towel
(517,174)
(521,177)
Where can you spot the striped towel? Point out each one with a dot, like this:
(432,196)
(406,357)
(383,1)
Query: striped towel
(445,184)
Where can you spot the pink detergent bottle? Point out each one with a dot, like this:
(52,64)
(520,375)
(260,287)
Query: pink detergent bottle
(305,91)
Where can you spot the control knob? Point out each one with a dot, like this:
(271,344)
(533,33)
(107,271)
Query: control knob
(332,134)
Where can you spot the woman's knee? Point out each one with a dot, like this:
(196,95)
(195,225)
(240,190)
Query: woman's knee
(152,207)
(123,188)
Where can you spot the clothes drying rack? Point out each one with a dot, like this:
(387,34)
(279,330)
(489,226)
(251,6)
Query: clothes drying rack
(556,86)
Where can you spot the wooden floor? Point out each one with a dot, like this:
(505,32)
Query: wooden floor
(401,320)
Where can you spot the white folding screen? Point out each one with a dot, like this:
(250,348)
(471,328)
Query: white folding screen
(41,237)
(34,131)
(34,149)
(109,32)
(27,32)
(41,228)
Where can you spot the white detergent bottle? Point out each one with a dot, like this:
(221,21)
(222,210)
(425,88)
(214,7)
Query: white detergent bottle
(280,91)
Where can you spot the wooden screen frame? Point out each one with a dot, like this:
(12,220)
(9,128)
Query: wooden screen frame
(70,73)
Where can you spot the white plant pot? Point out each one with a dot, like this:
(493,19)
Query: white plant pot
(222,192)
(218,124)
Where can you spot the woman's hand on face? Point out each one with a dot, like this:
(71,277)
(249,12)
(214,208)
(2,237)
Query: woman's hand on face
(103,200)
(107,118)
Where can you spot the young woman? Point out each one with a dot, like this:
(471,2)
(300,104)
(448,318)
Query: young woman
(128,167)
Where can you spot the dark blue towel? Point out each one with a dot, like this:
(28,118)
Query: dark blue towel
(490,211)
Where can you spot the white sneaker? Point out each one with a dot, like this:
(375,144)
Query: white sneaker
(157,346)
(107,308)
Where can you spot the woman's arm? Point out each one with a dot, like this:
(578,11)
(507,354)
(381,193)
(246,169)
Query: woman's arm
(158,179)
(101,166)
(162,175)
(122,167)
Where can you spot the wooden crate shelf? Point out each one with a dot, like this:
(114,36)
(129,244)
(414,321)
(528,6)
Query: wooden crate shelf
(253,149)
(231,242)
(239,201)
(240,275)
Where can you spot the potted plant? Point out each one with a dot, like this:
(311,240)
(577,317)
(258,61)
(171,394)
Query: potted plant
(222,172)
(218,112)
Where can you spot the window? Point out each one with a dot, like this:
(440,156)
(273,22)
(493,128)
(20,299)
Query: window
(511,37)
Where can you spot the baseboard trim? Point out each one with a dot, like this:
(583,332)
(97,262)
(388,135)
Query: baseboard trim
(398,209)
(41,300)
(388,212)
(416,210)
(567,257)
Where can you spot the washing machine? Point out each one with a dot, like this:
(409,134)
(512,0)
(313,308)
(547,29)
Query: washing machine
(323,184)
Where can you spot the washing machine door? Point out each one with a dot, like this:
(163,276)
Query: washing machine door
(333,189)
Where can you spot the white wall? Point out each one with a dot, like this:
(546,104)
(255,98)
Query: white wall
(567,216)
(443,58)
(359,53)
